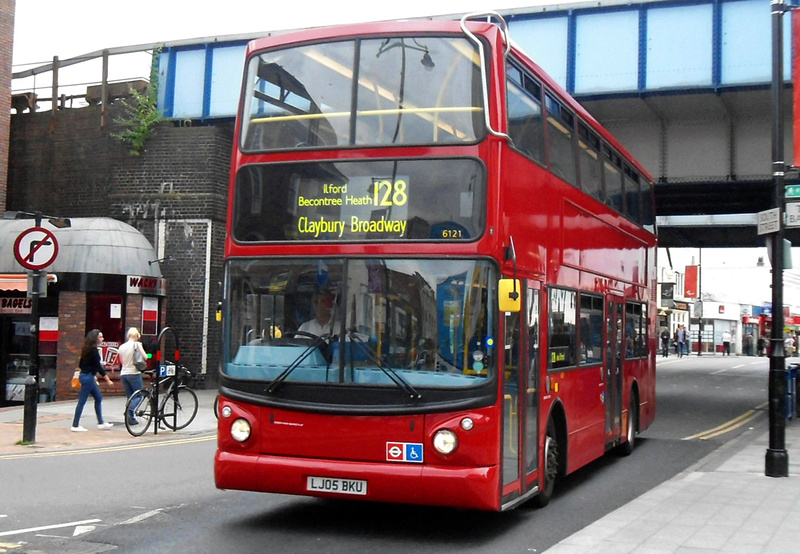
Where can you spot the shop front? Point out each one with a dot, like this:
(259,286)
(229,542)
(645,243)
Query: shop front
(716,319)
(103,277)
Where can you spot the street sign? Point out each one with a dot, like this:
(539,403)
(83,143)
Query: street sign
(792,191)
(166,370)
(35,248)
(793,214)
(769,221)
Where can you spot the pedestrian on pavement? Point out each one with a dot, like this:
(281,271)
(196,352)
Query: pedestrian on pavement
(761,345)
(726,343)
(681,340)
(90,366)
(130,376)
(665,342)
(788,345)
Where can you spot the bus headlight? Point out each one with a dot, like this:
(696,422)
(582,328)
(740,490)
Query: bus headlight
(240,430)
(445,441)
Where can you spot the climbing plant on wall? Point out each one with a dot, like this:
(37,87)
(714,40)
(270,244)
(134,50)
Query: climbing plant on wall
(140,112)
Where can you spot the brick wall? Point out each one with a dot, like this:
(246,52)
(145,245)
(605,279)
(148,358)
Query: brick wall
(7,8)
(71,334)
(133,314)
(173,193)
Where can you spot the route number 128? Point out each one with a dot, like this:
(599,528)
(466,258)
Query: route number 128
(390,194)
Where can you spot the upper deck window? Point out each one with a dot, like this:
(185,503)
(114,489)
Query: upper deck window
(589,161)
(612,174)
(633,194)
(365,92)
(560,140)
(525,114)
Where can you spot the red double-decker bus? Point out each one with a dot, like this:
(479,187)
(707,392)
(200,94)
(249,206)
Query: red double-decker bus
(440,273)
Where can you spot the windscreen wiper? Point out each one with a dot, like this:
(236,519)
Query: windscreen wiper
(390,372)
(318,341)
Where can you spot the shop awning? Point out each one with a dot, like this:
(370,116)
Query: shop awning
(91,245)
(9,281)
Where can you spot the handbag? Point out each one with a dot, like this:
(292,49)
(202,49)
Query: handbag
(76,379)
(138,360)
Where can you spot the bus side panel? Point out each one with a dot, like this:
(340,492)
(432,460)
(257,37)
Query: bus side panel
(582,395)
(643,370)
(645,379)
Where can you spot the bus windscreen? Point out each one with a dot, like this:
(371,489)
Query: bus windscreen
(397,322)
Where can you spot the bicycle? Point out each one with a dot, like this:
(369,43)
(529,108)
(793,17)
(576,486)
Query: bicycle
(177,403)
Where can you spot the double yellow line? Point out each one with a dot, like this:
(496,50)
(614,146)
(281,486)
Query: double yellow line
(740,421)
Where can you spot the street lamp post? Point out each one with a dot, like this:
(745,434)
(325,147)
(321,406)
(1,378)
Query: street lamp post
(777,458)
(700,300)
(32,381)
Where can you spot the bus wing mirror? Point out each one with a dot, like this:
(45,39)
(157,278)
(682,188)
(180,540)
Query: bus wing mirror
(510,299)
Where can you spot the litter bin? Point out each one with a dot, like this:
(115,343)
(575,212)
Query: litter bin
(791,390)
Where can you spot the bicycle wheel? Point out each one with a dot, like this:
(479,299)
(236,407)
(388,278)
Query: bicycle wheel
(143,402)
(179,413)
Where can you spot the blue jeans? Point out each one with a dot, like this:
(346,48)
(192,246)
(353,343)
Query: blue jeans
(131,383)
(88,387)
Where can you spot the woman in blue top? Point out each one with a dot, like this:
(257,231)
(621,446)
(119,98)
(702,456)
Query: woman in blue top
(91,365)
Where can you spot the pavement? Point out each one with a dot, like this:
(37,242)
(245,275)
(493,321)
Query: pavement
(722,504)
(54,419)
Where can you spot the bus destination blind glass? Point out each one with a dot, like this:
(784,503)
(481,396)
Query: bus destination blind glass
(357,201)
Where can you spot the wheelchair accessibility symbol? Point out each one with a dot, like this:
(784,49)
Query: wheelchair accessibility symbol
(409,452)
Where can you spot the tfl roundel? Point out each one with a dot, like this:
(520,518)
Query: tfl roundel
(36,248)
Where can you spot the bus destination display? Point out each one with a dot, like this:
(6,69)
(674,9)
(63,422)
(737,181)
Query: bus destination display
(361,206)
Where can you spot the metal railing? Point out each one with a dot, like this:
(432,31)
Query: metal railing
(89,82)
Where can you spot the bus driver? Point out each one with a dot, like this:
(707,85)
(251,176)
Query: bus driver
(320,326)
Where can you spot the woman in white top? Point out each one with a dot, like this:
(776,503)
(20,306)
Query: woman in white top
(130,376)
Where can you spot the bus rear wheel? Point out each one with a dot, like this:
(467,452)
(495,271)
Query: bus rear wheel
(550,469)
(626,448)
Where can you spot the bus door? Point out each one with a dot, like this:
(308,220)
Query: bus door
(533,368)
(521,395)
(615,337)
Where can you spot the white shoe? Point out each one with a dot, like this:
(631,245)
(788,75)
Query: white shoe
(105,425)
(78,429)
